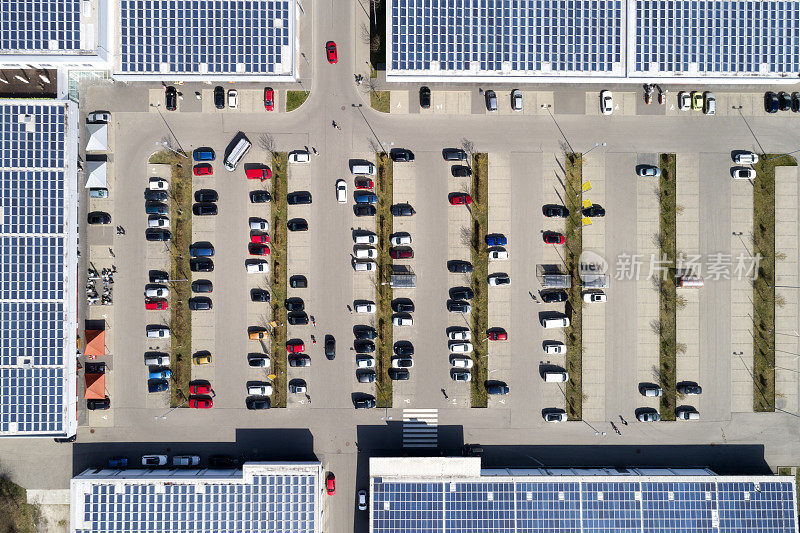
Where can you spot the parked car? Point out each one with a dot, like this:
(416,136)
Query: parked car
(362,500)
(594,297)
(203,154)
(157,235)
(364,210)
(401,253)
(365,361)
(497,335)
(365,198)
(298,386)
(743,173)
(364,403)
(687,413)
(516,100)
(457,374)
(200,303)
(553,296)
(295,346)
(157,332)
(330,347)
(424,97)
(594,211)
(157,385)
(156,208)
(554,347)
(498,254)
(403,320)
(401,349)
(202,285)
(460,198)
(401,155)
(363,347)
(460,171)
(154,460)
(98,117)
(684,101)
(402,362)
(496,239)
(269,99)
(555,416)
(745,158)
(203,169)
(298,282)
(258,334)
(368,307)
(256,404)
(402,305)
(399,374)
(402,210)
(462,293)
(201,265)
(650,390)
(784,101)
(697,100)
(297,224)
(771,102)
(163,373)
(330,51)
(606,102)
(171,98)
(158,222)
(199,388)
(258,361)
(365,332)
(158,184)
(497,389)
(233,98)
(454,154)
(219,97)
(98,217)
(461,347)
(259,295)
(298,198)
(458,307)
(461,362)
(459,335)
(459,267)
(259,224)
(299,156)
(258,249)
(156,305)
(498,279)
(709,103)
(364,183)
(689,389)
(203,357)
(555,211)
(297,319)
(260,389)
(341,191)
(98,404)
(201,403)
(551,237)
(491,100)
(648,415)
(260,173)
(400,239)
(257,267)
(301,360)
(648,171)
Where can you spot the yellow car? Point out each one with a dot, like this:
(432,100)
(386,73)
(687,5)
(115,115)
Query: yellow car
(697,100)
(259,334)
(202,358)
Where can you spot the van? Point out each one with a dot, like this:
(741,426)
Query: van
(560,322)
(203,154)
(157,360)
(363,169)
(236,155)
(555,377)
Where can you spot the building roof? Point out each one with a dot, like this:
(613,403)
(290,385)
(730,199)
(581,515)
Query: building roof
(39,261)
(50,26)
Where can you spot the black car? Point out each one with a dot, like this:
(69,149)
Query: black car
(259,295)
(330,347)
(553,296)
(364,210)
(202,210)
(461,171)
(401,155)
(459,267)
(462,293)
(99,217)
(202,285)
(399,374)
(223,461)
(298,198)
(171,97)
(206,195)
(796,102)
(594,210)
(365,376)
(294,304)
(297,224)
(784,101)
(156,196)
(365,332)
(364,403)
(201,264)
(553,210)
(454,154)
(157,385)
(402,210)
(403,305)
(689,389)
(457,307)
(98,405)
(260,197)
(200,303)
(497,388)
(301,360)
(424,97)
(219,97)
(771,102)
(404,349)
(297,319)
(255,404)
(361,347)
(157,235)
(157,276)
(298,282)
(156,208)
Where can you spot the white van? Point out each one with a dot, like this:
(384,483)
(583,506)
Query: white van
(236,155)
(555,377)
(157,360)
(560,322)
(363,169)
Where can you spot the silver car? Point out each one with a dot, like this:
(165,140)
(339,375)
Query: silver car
(648,171)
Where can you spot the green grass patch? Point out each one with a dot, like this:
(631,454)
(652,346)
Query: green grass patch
(278,241)
(379,100)
(383,360)
(295,99)
(180,214)
(667,290)
(574,306)
(480,262)
(763,286)
(16,514)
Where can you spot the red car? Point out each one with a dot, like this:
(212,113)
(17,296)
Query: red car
(498,336)
(156,305)
(259,237)
(203,169)
(258,173)
(258,249)
(330,484)
(460,198)
(364,183)
(296,347)
(199,388)
(401,253)
(551,237)
(330,48)
(269,99)
(201,403)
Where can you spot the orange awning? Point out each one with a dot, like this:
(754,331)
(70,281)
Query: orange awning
(95,387)
(95,342)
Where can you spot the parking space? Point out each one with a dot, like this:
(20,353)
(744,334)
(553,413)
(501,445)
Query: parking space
(449,103)
(624,103)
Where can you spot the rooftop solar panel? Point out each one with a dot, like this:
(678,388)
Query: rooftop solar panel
(39,25)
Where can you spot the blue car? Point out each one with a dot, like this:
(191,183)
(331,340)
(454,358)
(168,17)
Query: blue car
(203,154)
(157,385)
(496,240)
(365,198)
(201,250)
(161,374)
(118,462)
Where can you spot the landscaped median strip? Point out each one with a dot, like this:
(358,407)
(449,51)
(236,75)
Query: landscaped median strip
(574,308)
(278,241)
(384,190)
(764,285)
(667,290)
(180,214)
(480,273)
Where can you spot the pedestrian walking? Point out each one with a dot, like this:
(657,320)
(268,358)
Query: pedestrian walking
(111,252)
(333,123)
(314,150)
(623,420)
(445,394)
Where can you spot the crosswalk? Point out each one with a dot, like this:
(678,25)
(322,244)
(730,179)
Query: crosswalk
(420,428)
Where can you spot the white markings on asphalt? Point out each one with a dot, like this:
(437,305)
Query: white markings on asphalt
(420,428)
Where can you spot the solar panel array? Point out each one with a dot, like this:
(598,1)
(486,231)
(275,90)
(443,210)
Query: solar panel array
(32,267)
(272,503)
(655,505)
(218,33)
(30,25)
(719,36)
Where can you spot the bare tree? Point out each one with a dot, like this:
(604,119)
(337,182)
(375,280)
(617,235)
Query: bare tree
(365,35)
(370,85)
(267,143)
(374,146)
(468,146)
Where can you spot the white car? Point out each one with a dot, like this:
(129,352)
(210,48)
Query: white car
(299,156)
(402,362)
(745,158)
(186,460)
(157,292)
(158,222)
(297,388)
(158,332)
(594,297)
(461,362)
(365,266)
(255,268)
(684,101)
(403,321)
(98,117)
(341,191)
(743,173)
(554,347)
(158,184)
(365,253)
(154,460)
(259,224)
(516,100)
(498,255)
(365,362)
(369,238)
(495,280)
(362,500)
(461,347)
(260,390)
(233,99)
(606,102)
(555,416)
(366,308)
(462,335)
(400,240)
